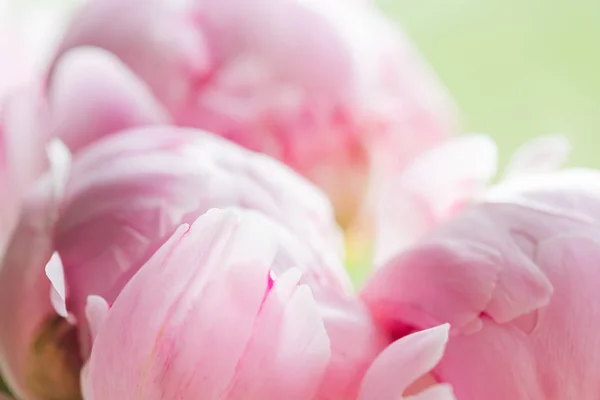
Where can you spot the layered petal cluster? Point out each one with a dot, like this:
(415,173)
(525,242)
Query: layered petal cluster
(104,215)
(516,276)
(205,318)
(331,88)
(127,193)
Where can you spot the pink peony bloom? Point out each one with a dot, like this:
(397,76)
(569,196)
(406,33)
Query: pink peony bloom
(123,197)
(331,88)
(516,276)
(128,192)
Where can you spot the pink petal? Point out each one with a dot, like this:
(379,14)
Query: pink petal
(543,154)
(92,94)
(519,189)
(402,363)
(154,38)
(22,157)
(561,347)
(59,158)
(447,279)
(289,335)
(96,311)
(435,185)
(55,273)
(355,339)
(439,392)
(16,68)
(201,291)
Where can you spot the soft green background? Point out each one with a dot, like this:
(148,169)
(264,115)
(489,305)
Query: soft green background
(517,68)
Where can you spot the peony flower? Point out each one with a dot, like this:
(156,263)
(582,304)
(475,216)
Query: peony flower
(117,210)
(331,88)
(123,197)
(127,193)
(516,277)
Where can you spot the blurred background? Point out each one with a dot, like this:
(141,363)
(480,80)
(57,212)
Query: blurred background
(516,68)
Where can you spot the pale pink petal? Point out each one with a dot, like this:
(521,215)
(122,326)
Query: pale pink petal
(540,155)
(355,339)
(458,281)
(438,183)
(59,158)
(22,156)
(518,189)
(439,392)
(16,68)
(96,311)
(155,38)
(55,273)
(92,94)
(289,335)
(86,391)
(224,259)
(402,363)
(33,31)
